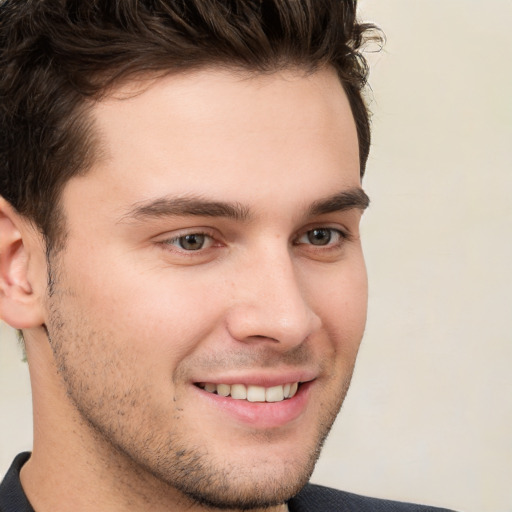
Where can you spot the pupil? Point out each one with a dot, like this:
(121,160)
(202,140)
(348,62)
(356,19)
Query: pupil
(192,242)
(319,236)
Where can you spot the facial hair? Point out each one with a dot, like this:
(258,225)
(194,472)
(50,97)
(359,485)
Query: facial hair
(117,408)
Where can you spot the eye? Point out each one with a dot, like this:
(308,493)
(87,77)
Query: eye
(321,237)
(191,241)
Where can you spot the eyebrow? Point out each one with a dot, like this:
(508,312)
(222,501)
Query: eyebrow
(186,206)
(354,198)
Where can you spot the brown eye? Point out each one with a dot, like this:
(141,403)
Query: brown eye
(320,236)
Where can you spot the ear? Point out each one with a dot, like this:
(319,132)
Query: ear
(20,307)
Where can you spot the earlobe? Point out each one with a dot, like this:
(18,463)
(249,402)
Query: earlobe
(19,305)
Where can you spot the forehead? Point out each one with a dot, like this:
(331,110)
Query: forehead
(224,133)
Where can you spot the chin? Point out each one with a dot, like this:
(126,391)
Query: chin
(241,478)
(248,489)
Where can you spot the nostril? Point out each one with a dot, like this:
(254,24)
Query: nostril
(261,337)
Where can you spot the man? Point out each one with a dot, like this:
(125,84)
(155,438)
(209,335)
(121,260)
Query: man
(179,220)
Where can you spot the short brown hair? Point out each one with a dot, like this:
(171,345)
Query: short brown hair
(59,56)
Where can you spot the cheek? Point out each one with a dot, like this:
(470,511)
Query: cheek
(342,306)
(158,308)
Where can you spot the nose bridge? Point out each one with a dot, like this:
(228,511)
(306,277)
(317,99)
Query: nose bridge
(271,301)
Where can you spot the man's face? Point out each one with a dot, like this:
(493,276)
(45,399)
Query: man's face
(214,249)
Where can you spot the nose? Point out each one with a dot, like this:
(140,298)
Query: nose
(271,303)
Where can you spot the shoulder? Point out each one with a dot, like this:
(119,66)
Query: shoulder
(315,498)
(12,497)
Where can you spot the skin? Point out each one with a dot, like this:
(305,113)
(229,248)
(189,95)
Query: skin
(135,320)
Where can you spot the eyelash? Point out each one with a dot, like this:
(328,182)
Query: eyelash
(342,236)
(174,241)
(177,241)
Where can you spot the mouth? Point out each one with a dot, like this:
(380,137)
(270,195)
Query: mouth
(252,393)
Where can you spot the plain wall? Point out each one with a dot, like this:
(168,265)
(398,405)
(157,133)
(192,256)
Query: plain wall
(429,415)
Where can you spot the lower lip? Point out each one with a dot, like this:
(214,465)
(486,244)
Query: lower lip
(261,415)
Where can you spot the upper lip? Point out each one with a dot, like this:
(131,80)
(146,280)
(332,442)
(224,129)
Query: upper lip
(260,379)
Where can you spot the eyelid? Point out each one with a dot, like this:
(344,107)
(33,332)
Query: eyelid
(344,235)
(168,240)
(209,241)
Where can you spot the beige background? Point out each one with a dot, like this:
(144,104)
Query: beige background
(429,416)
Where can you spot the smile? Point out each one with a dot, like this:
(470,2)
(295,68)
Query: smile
(252,393)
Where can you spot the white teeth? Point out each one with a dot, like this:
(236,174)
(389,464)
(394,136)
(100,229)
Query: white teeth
(253,393)
(223,389)
(211,388)
(238,391)
(274,394)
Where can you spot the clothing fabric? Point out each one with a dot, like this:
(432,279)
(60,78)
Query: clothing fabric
(12,497)
(316,498)
(313,498)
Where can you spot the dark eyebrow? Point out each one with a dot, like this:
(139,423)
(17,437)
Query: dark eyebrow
(186,206)
(200,207)
(346,200)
